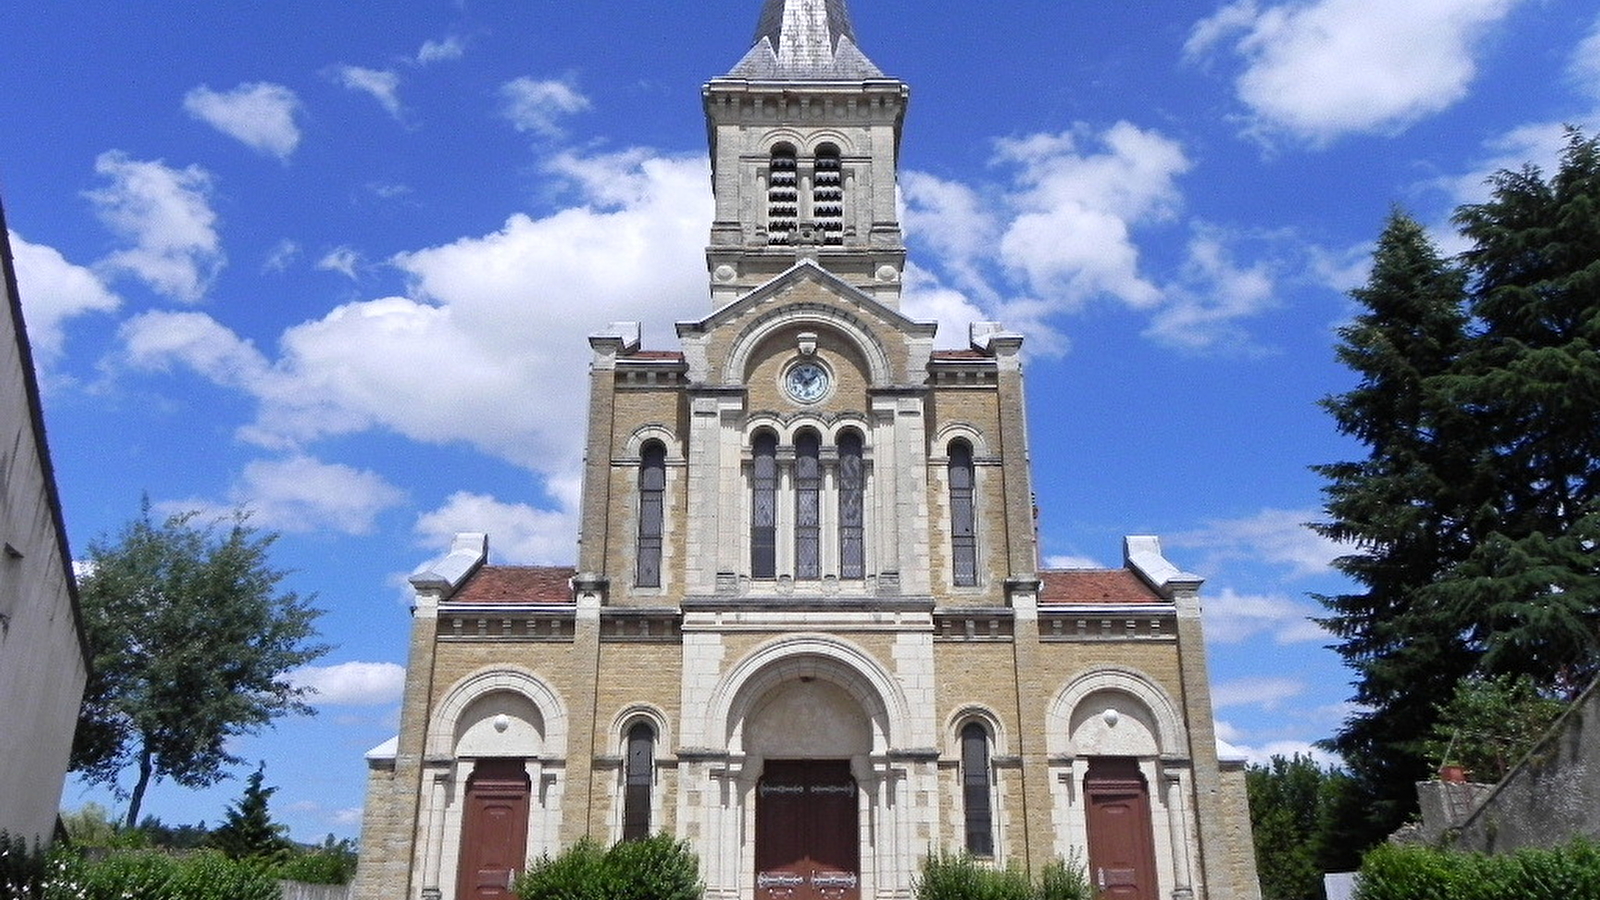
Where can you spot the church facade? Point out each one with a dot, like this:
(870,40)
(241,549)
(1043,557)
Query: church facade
(807,631)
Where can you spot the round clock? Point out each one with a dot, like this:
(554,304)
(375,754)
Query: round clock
(806,382)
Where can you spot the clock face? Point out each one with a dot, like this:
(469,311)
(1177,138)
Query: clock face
(806,382)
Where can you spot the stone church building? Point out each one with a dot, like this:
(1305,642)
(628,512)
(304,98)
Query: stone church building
(808,631)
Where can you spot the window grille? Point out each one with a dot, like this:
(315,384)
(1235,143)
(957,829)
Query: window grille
(807,506)
(963,536)
(852,496)
(637,778)
(652,496)
(764,506)
(975,789)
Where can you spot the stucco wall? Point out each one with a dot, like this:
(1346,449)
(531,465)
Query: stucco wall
(42,668)
(1552,796)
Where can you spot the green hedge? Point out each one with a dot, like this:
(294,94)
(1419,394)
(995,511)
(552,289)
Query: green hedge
(1427,873)
(657,868)
(960,877)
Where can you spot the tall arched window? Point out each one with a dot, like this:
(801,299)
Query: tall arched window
(764,506)
(783,194)
(652,495)
(852,497)
(638,775)
(963,526)
(975,789)
(807,506)
(827,194)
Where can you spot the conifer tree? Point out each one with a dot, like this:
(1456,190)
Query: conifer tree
(1400,510)
(1476,514)
(248,832)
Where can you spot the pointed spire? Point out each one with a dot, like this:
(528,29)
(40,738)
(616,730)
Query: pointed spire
(805,40)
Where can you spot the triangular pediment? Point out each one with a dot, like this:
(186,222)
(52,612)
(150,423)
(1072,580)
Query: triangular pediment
(801,272)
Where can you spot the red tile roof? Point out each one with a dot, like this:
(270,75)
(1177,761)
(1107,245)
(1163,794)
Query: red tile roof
(1095,586)
(960,355)
(517,584)
(655,355)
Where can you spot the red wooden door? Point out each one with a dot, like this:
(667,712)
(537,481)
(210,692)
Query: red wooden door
(808,840)
(1122,861)
(494,829)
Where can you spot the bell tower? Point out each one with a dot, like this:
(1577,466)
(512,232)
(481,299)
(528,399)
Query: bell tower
(805,145)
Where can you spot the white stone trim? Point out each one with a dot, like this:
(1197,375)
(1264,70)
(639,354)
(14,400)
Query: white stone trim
(872,351)
(489,680)
(1170,733)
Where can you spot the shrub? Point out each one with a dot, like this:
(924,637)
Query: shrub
(332,863)
(150,875)
(1428,873)
(960,877)
(657,868)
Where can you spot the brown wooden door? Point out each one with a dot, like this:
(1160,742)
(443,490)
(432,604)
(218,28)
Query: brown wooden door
(1122,861)
(494,829)
(808,840)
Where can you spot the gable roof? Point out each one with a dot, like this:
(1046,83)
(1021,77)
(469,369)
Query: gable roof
(517,584)
(1109,586)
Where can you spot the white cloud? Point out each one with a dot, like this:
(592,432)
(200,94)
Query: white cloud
(518,533)
(533,105)
(1072,562)
(1267,693)
(1585,64)
(52,291)
(343,260)
(166,214)
(1233,618)
(491,349)
(444,50)
(301,494)
(381,85)
(352,683)
(1204,307)
(155,340)
(282,255)
(1059,233)
(1319,70)
(260,115)
(1277,536)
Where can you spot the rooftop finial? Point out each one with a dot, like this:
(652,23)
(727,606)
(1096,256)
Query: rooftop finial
(805,40)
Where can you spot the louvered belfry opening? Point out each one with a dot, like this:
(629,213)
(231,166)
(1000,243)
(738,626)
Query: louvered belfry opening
(827,195)
(783,194)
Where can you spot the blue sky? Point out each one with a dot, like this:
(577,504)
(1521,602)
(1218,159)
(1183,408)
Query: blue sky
(337,261)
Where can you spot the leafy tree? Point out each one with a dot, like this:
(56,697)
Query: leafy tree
(1475,514)
(1296,808)
(248,832)
(1491,723)
(192,640)
(1401,510)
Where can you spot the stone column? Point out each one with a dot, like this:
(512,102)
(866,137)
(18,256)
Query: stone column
(1178,827)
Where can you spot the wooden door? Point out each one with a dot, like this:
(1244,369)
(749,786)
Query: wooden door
(494,829)
(808,839)
(1122,861)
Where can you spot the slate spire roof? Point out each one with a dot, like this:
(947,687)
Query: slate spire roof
(805,40)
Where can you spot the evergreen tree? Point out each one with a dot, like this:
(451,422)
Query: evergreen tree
(1476,513)
(1528,592)
(1401,510)
(248,832)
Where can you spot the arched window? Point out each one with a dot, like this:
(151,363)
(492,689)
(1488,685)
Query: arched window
(975,789)
(963,526)
(638,775)
(783,194)
(808,506)
(827,195)
(764,506)
(852,497)
(652,495)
